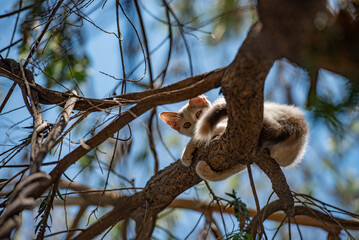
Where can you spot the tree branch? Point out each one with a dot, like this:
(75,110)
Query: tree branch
(167,184)
(21,198)
(47,96)
(210,82)
(56,131)
(303,215)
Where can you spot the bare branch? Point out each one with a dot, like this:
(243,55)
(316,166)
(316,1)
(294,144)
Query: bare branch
(158,98)
(41,35)
(243,80)
(22,198)
(47,96)
(57,129)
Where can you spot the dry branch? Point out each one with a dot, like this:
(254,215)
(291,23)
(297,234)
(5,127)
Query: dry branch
(244,78)
(168,183)
(23,197)
(302,216)
(243,81)
(55,132)
(47,96)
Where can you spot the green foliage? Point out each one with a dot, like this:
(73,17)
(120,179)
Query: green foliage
(242,215)
(40,213)
(42,209)
(142,155)
(67,177)
(58,195)
(226,18)
(231,19)
(61,58)
(323,107)
(85,161)
(220,29)
(187,10)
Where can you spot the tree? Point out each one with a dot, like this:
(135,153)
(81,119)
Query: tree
(304,32)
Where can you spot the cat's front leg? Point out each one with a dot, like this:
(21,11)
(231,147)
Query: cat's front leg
(187,155)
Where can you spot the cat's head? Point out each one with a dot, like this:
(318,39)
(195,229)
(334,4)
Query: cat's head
(184,121)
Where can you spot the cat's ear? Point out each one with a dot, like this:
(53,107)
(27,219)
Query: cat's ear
(199,101)
(172,119)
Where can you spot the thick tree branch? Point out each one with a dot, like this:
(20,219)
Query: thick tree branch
(243,83)
(38,123)
(146,100)
(306,33)
(167,184)
(303,215)
(123,209)
(21,198)
(47,96)
(270,167)
(210,82)
(159,192)
(159,97)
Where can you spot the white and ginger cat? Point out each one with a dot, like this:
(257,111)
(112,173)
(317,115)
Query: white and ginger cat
(284,132)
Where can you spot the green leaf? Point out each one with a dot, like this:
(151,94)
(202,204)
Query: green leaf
(42,207)
(38,226)
(248,236)
(67,177)
(231,195)
(59,195)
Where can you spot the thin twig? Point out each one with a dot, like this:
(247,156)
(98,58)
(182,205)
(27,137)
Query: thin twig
(44,30)
(151,139)
(220,207)
(145,42)
(46,214)
(21,9)
(76,221)
(250,175)
(14,31)
(123,89)
(183,37)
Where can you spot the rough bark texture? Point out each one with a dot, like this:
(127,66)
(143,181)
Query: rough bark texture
(286,30)
(243,82)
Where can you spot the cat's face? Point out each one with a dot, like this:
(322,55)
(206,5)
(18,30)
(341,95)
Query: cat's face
(184,121)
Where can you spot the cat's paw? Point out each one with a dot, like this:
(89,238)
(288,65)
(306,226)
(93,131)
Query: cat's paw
(205,171)
(186,160)
(187,155)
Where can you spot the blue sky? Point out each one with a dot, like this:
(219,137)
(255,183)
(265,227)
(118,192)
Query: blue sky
(104,54)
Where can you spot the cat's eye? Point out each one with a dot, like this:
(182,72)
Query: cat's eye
(187,125)
(198,114)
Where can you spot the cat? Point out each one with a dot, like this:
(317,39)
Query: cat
(284,133)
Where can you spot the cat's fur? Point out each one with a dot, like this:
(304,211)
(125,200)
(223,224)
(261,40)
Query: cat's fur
(284,132)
